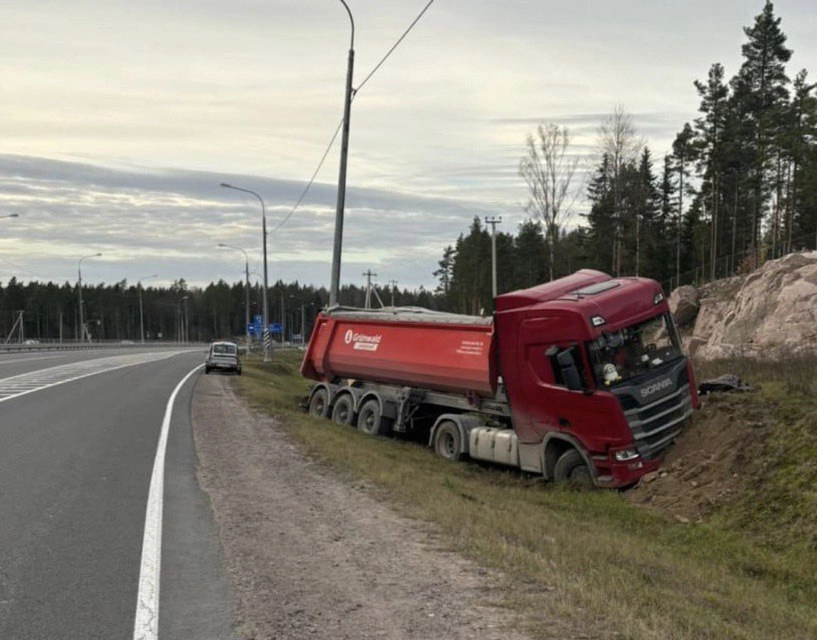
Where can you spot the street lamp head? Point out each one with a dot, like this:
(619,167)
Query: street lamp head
(13,215)
(229,186)
(97,255)
(221,244)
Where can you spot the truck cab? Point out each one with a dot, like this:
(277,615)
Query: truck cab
(593,364)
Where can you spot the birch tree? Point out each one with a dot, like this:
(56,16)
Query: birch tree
(548,169)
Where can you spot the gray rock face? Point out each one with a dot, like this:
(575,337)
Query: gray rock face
(684,305)
(770,313)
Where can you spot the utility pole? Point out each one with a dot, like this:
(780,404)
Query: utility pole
(283,316)
(344,153)
(60,327)
(303,324)
(368,303)
(493,221)
(393,284)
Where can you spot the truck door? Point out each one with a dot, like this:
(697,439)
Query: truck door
(546,400)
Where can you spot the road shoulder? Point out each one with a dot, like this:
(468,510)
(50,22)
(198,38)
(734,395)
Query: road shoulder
(308,552)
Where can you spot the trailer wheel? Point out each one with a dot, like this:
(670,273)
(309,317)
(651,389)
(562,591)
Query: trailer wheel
(370,419)
(571,467)
(343,412)
(448,441)
(318,403)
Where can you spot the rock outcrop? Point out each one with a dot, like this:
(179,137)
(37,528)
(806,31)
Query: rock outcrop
(684,305)
(771,313)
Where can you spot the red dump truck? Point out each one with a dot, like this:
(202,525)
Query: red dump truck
(581,378)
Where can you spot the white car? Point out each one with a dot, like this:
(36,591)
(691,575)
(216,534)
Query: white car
(222,356)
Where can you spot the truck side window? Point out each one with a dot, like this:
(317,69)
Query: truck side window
(558,374)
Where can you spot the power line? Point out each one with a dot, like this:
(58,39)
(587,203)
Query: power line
(340,124)
(394,46)
(312,179)
(21,268)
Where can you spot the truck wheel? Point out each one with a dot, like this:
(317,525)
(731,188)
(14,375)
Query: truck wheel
(343,412)
(571,467)
(318,403)
(370,420)
(447,441)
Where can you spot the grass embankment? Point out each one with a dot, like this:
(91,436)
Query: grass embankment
(597,564)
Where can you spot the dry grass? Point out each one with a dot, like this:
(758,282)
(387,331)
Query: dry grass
(602,567)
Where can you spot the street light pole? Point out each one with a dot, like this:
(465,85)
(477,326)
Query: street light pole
(79,294)
(186,325)
(344,152)
(493,222)
(246,291)
(141,312)
(265,331)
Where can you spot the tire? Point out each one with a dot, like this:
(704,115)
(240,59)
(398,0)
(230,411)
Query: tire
(343,413)
(319,403)
(238,371)
(571,467)
(370,419)
(206,370)
(448,441)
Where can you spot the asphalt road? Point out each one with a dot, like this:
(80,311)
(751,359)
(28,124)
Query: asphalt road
(76,457)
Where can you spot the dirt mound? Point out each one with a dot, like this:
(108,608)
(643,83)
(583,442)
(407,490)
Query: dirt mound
(710,463)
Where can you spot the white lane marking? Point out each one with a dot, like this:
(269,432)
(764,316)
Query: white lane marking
(146,625)
(26,383)
(16,360)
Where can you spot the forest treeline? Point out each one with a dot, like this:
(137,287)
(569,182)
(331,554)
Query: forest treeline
(738,187)
(112,312)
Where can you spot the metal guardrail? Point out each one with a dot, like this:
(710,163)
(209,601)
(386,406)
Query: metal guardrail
(17,347)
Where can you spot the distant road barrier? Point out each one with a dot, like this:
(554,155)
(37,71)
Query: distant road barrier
(107,344)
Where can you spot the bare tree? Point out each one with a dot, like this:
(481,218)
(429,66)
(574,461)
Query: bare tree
(619,140)
(548,171)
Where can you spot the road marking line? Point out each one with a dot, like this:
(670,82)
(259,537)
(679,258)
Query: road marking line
(16,360)
(26,383)
(146,625)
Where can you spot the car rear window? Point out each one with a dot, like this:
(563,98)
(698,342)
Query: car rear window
(224,349)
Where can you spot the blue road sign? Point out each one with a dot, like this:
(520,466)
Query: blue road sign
(275,327)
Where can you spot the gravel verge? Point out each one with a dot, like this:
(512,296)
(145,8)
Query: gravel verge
(312,555)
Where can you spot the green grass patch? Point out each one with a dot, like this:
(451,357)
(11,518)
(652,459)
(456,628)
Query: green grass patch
(586,558)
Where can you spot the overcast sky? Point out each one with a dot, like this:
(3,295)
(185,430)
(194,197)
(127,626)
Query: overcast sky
(120,119)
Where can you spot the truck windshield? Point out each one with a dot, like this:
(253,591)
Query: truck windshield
(625,354)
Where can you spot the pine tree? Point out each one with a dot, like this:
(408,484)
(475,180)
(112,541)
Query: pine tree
(709,142)
(760,91)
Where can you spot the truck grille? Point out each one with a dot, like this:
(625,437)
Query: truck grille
(656,425)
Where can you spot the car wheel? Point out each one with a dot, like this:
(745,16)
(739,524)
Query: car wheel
(206,369)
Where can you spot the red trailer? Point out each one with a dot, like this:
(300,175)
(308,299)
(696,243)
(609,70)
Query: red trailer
(585,376)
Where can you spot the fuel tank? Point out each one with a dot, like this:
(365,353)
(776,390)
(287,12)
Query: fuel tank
(406,346)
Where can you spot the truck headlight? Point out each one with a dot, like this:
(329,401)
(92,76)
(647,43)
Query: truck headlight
(626,454)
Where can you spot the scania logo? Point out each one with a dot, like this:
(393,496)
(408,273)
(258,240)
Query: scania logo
(655,387)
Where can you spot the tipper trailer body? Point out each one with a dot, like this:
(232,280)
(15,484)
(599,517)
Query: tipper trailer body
(580,377)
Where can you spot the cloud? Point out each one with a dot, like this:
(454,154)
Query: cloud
(170,220)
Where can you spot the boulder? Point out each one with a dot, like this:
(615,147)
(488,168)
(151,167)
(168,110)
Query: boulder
(684,305)
(771,313)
